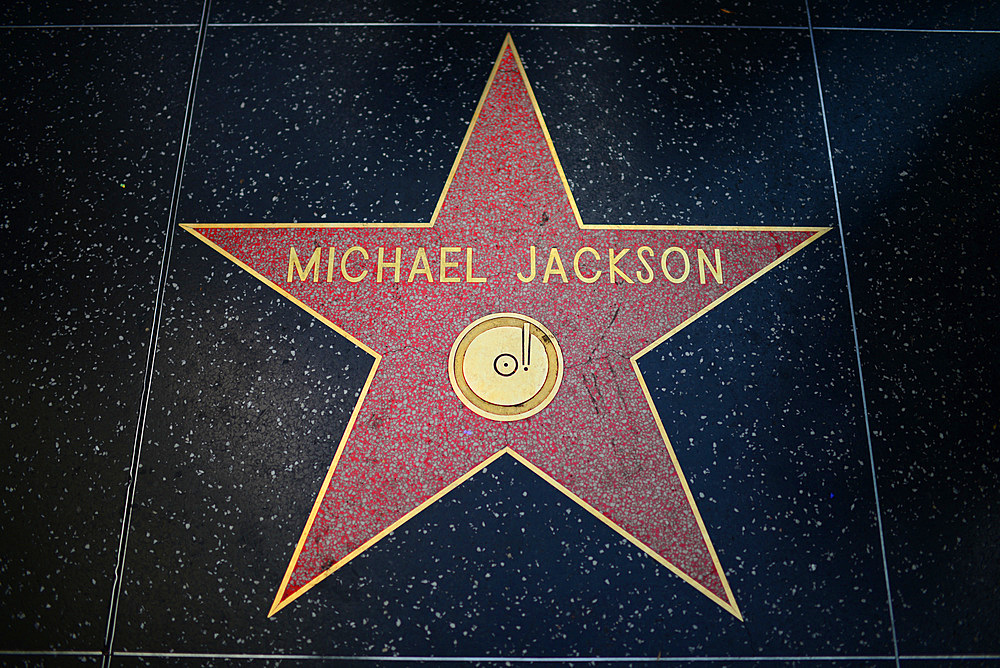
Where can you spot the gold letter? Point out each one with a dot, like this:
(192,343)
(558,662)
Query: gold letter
(613,267)
(312,265)
(445,265)
(530,277)
(343,264)
(382,265)
(716,270)
(421,258)
(638,274)
(469,278)
(329,265)
(576,264)
(554,260)
(687,264)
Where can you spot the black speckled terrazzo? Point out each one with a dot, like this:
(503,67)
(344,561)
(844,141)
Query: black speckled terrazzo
(907,14)
(93,120)
(641,145)
(720,122)
(76,12)
(627,147)
(919,200)
(53,661)
(738,12)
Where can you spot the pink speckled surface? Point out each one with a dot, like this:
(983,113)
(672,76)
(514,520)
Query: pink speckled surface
(412,436)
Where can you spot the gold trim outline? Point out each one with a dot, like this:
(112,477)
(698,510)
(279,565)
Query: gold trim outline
(730,605)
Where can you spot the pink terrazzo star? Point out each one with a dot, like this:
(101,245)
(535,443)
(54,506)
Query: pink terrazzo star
(411,439)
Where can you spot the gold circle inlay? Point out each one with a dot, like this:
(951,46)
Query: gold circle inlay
(505,366)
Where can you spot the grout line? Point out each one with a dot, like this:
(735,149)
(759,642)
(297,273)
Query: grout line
(49,652)
(499,24)
(536,659)
(153,335)
(931,30)
(496,24)
(951,657)
(47,26)
(315,657)
(612,659)
(458,24)
(854,331)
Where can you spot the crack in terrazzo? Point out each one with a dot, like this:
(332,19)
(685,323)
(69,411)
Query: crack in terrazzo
(604,335)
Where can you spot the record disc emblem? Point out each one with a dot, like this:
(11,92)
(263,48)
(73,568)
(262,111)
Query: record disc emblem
(505,366)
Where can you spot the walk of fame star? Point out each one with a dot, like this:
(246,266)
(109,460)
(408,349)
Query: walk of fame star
(505,326)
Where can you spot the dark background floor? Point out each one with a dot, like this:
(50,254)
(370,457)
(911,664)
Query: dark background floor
(167,420)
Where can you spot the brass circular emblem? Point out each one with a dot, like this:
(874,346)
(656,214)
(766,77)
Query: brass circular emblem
(505,366)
